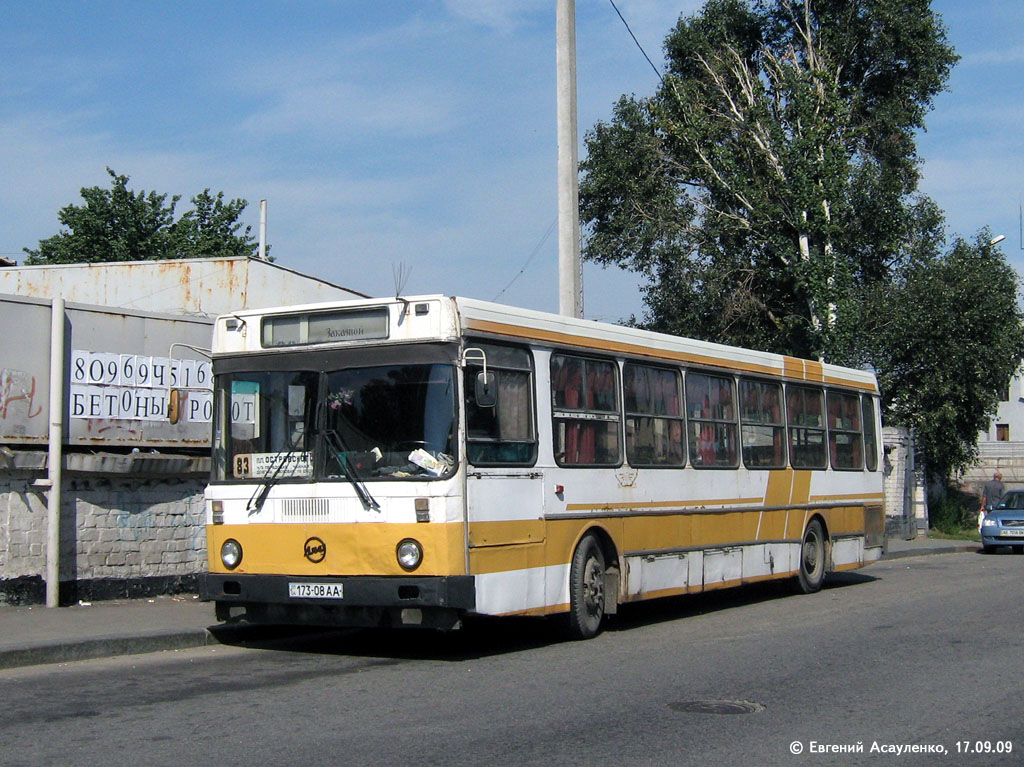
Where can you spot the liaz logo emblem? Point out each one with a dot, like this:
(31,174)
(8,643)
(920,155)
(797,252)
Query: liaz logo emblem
(314,550)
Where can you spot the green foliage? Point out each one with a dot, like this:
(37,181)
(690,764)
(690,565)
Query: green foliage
(954,512)
(768,193)
(766,185)
(947,337)
(118,224)
(211,229)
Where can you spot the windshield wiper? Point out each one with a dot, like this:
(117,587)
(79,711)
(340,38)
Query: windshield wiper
(259,495)
(338,447)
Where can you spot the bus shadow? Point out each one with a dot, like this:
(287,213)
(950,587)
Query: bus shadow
(666,609)
(483,636)
(479,637)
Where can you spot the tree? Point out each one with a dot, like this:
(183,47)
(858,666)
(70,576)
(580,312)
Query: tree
(768,193)
(947,336)
(210,230)
(118,224)
(769,182)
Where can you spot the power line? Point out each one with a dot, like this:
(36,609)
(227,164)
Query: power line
(554,223)
(536,250)
(626,24)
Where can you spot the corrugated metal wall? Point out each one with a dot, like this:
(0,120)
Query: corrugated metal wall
(119,368)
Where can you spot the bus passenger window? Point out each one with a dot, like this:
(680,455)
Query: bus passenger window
(870,440)
(804,409)
(764,432)
(712,421)
(585,414)
(503,434)
(844,431)
(654,416)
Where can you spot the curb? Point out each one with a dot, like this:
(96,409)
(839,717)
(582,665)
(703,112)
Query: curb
(955,549)
(104,647)
(117,645)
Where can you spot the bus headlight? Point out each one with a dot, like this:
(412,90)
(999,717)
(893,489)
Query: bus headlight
(231,553)
(410,554)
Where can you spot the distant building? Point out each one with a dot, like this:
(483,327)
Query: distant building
(190,286)
(1001,446)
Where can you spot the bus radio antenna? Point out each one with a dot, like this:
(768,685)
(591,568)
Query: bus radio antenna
(401,273)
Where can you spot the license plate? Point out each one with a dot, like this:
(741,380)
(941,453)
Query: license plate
(316,591)
(1012,533)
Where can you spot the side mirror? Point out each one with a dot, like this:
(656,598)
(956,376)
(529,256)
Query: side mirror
(485,389)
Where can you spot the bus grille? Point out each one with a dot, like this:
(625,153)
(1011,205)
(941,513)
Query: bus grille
(305,510)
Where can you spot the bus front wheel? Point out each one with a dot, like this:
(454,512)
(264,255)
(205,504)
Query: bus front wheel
(586,589)
(812,558)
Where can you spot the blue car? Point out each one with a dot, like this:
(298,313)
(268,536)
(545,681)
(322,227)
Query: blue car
(1004,524)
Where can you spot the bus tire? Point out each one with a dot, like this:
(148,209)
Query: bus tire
(812,558)
(586,589)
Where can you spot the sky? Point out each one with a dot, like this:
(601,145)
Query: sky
(406,137)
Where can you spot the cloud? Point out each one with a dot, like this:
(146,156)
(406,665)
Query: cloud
(994,57)
(53,155)
(501,15)
(356,84)
(344,109)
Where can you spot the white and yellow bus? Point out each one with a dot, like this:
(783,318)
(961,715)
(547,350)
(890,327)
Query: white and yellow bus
(408,462)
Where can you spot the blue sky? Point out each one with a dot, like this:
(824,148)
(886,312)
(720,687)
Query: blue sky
(419,134)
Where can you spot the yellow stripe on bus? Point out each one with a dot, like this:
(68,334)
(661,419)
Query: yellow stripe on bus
(780,488)
(865,497)
(351,549)
(806,370)
(693,503)
(369,548)
(656,533)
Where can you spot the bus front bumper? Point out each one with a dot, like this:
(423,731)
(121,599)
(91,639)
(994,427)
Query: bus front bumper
(351,601)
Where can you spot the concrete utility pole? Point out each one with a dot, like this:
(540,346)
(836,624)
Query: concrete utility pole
(263,230)
(570,287)
(55,457)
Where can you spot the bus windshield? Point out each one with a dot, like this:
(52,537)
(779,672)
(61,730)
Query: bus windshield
(381,422)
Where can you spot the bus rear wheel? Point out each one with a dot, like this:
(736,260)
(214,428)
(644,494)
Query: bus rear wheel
(812,558)
(586,589)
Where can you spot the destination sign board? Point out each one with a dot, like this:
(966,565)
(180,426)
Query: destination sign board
(325,327)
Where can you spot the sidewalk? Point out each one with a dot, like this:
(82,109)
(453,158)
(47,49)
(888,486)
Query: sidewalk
(31,636)
(921,546)
(35,635)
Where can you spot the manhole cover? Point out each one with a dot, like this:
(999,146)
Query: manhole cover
(717,707)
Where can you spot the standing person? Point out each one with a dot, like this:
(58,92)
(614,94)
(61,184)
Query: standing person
(990,495)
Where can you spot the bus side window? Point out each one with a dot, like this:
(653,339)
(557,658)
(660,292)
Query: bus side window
(764,433)
(710,405)
(844,431)
(805,413)
(654,416)
(502,434)
(585,411)
(870,439)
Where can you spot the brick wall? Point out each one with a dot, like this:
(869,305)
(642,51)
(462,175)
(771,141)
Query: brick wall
(120,536)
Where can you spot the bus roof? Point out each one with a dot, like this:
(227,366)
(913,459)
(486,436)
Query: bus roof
(475,317)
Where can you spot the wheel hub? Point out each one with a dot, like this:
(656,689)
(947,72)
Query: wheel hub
(593,587)
(812,551)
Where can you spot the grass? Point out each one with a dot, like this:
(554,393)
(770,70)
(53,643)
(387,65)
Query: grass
(963,534)
(954,515)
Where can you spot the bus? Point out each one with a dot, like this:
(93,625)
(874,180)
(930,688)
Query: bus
(414,461)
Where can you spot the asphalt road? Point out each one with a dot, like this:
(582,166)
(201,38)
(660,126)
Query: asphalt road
(923,652)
